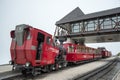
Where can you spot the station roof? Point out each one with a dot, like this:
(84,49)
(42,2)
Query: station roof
(78,15)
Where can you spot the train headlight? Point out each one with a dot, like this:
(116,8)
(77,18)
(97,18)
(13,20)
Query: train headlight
(27,64)
(11,62)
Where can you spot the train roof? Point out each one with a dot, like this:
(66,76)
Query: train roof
(78,45)
(28,26)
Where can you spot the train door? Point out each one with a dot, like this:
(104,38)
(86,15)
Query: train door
(40,40)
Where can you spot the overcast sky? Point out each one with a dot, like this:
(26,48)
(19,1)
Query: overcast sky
(43,14)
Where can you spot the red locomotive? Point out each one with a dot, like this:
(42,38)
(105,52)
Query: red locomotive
(33,50)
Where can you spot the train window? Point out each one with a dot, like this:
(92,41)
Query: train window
(73,48)
(40,37)
(28,35)
(69,49)
(78,49)
(48,40)
(19,33)
(88,50)
(81,49)
(12,33)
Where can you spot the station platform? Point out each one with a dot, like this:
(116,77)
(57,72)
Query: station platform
(6,71)
(73,73)
(5,68)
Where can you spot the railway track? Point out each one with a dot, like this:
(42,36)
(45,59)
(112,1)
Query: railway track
(30,77)
(106,72)
(19,76)
(9,74)
(44,75)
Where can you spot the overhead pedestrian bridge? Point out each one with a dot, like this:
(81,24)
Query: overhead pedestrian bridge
(103,26)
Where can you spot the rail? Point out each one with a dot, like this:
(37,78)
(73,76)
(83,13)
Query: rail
(93,75)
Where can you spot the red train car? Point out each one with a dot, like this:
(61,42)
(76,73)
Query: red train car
(97,54)
(32,49)
(105,53)
(78,53)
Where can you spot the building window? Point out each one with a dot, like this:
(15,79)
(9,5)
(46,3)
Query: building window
(119,18)
(76,27)
(91,26)
(81,25)
(101,23)
(107,23)
(114,20)
(85,26)
(119,21)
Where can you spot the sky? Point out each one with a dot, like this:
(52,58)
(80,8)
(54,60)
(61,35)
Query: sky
(43,14)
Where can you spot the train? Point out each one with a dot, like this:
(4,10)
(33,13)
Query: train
(34,51)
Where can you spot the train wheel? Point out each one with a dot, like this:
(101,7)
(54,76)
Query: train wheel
(59,66)
(47,68)
(65,64)
(13,68)
(56,66)
(24,72)
(51,67)
(36,71)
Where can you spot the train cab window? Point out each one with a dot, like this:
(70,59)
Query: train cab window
(48,40)
(28,35)
(20,35)
(40,37)
(12,33)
